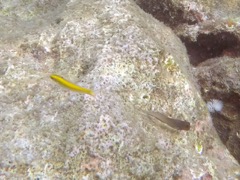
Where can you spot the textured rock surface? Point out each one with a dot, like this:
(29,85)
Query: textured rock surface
(130,60)
(219,79)
(208,28)
(191,12)
(210,31)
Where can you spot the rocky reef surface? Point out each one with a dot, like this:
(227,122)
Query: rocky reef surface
(210,30)
(135,64)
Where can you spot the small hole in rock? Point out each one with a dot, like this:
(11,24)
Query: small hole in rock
(145,97)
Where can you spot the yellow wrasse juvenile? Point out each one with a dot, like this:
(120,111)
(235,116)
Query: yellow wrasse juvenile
(70,85)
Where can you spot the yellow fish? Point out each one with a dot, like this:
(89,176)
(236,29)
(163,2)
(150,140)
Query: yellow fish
(70,85)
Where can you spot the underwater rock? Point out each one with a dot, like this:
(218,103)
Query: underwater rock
(131,61)
(208,29)
(219,79)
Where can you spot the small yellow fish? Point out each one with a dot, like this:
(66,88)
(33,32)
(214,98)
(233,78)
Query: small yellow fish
(70,85)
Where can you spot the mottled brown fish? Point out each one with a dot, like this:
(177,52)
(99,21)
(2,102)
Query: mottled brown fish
(174,123)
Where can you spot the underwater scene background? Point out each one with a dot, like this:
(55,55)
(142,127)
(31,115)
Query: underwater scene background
(144,89)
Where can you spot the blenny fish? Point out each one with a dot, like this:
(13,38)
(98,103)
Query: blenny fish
(173,123)
(70,85)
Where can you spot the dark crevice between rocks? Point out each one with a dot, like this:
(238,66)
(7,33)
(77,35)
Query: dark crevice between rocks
(206,46)
(169,13)
(227,122)
(228,132)
(212,45)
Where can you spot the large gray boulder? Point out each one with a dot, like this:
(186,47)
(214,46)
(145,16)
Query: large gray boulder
(134,64)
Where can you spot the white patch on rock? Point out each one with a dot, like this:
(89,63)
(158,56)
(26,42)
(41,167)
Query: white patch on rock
(214,105)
